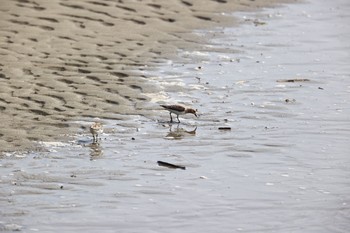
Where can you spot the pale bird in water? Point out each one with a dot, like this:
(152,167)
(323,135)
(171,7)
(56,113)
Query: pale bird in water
(178,110)
(96,128)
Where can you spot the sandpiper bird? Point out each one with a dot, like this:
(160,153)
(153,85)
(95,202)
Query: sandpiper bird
(178,110)
(96,128)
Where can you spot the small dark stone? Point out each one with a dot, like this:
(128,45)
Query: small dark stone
(289,100)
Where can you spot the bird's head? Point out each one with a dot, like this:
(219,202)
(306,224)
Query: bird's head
(192,111)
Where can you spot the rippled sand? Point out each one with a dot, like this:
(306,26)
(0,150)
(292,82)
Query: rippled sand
(64,60)
(279,81)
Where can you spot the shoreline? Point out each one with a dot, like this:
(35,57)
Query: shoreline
(63,61)
(282,166)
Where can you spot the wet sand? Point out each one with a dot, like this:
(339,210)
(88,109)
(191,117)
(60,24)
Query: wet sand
(279,81)
(66,60)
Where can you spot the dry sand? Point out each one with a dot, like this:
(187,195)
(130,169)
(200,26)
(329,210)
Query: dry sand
(64,60)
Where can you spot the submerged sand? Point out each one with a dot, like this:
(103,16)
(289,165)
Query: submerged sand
(67,60)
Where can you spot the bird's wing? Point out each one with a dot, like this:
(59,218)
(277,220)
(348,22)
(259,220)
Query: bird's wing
(178,108)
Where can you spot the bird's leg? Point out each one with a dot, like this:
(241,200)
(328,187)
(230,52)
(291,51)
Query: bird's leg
(178,120)
(171,118)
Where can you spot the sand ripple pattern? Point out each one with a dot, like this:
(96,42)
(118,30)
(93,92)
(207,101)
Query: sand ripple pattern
(69,59)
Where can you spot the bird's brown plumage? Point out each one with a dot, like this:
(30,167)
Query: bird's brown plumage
(178,110)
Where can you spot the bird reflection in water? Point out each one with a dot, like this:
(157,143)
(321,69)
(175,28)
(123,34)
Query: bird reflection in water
(96,150)
(179,132)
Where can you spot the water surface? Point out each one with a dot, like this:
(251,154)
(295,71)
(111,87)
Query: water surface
(283,166)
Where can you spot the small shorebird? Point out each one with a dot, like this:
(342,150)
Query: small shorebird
(96,128)
(178,110)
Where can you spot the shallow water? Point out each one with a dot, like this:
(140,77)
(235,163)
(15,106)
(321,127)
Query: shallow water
(283,166)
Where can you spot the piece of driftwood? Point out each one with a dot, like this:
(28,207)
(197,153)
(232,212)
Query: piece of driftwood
(294,80)
(170,165)
(224,128)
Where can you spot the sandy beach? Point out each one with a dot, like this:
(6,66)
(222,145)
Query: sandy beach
(66,60)
(268,151)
